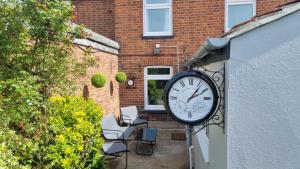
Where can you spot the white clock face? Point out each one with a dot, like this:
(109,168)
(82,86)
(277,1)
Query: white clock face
(130,82)
(190,98)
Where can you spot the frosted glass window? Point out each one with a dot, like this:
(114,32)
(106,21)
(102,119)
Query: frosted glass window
(238,14)
(158,20)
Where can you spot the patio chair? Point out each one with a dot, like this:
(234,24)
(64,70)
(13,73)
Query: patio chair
(112,131)
(115,149)
(129,115)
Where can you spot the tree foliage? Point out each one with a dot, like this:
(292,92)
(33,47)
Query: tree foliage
(36,61)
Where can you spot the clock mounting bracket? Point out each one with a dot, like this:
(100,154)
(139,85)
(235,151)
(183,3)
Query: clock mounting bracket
(218,77)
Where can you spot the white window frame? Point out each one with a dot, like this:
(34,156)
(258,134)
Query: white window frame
(237,2)
(154,77)
(146,22)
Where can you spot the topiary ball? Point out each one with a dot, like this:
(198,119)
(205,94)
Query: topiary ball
(98,80)
(121,77)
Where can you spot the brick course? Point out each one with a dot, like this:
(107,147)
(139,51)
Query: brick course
(97,15)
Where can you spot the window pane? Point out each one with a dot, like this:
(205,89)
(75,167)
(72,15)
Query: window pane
(156,91)
(158,71)
(157,1)
(158,20)
(239,13)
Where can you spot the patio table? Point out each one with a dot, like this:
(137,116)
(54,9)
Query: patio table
(148,137)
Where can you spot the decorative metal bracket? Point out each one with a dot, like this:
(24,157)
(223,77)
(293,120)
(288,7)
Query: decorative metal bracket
(218,77)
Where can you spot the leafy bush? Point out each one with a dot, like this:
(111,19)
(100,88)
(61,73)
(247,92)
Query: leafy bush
(98,80)
(121,77)
(76,124)
(8,159)
(36,61)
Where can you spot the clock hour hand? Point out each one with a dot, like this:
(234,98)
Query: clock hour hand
(193,95)
(203,91)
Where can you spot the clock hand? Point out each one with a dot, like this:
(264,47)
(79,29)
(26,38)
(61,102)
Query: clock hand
(194,93)
(203,91)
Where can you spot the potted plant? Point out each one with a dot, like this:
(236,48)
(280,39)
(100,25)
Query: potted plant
(98,80)
(121,77)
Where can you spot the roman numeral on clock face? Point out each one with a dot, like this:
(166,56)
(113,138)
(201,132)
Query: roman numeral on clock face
(176,89)
(207,98)
(173,98)
(182,83)
(204,90)
(189,114)
(191,81)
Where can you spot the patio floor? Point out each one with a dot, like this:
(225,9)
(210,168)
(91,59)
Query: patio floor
(168,153)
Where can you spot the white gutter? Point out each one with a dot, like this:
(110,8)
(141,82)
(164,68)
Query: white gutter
(208,47)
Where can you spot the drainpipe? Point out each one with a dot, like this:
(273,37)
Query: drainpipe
(191,156)
(158,46)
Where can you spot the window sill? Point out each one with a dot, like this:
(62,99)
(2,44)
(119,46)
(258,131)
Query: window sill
(158,37)
(154,111)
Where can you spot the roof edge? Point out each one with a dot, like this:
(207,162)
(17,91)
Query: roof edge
(93,36)
(210,46)
(95,45)
(262,20)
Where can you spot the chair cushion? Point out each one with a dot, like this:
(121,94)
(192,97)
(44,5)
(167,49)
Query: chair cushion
(114,147)
(139,121)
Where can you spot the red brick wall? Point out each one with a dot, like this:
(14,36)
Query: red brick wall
(190,26)
(193,22)
(107,96)
(97,15)
(264,6)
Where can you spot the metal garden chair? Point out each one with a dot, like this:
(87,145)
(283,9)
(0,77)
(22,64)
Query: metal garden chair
(112,131)
(129,115)
(118,136)
(115,149)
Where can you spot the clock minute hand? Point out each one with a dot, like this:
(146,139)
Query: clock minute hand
(203,91)
(194,94)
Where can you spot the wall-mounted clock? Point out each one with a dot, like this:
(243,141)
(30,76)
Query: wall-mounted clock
(130,82)
(191,97)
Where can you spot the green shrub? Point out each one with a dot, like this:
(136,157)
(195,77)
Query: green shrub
(9,141)
(76,124)
(121,77)
(98,80)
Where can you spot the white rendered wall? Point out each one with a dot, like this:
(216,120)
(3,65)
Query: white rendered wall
(210,154)
(263,128)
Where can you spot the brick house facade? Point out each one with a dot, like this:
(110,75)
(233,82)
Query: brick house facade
(192,22)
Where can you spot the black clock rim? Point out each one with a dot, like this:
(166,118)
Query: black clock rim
(198,74)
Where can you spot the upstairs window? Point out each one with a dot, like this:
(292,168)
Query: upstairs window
(157,17)
(238,11)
